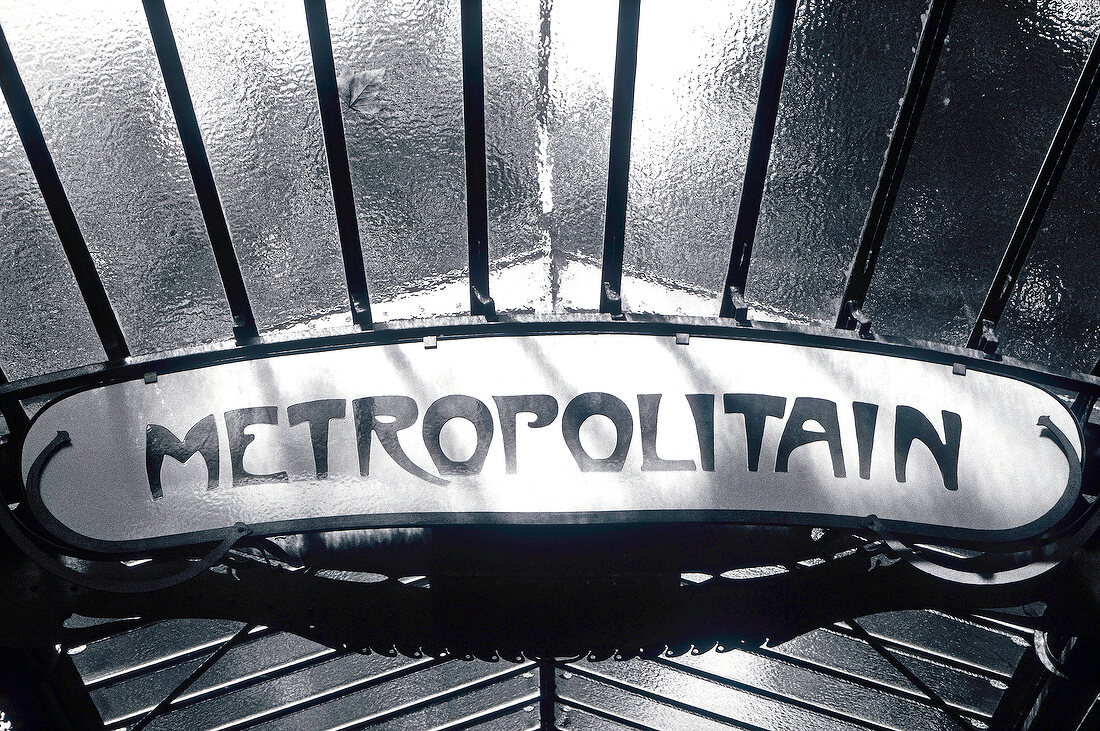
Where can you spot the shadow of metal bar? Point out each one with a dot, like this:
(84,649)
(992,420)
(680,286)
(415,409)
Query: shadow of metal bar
(61,212)
(343,196)
(760,147)
(618,168)
(932,35)
(1031,218)
(244,324)
(473,118)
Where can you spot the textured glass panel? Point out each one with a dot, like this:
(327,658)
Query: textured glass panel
(93,78)
(150,646)
(857,659)
(517,106)
(1005,75)
(1054,315)
(250,74)
(582,66)
(277,653)
(400,65)
(44,323)
(846,69)
(696,89)
(820,691)
(991,652)
(729,704)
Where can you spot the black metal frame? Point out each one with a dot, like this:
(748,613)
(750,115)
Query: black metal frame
(175,82)
(400,631)
(332,124)
(618,169)
(477,197)
(1038,200)
(933,32)
(756,167)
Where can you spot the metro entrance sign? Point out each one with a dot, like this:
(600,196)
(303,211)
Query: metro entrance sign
(553,428)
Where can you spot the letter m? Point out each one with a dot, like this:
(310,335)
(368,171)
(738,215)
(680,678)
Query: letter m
(160,443)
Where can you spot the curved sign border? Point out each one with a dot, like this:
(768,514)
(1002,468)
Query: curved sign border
(998,540)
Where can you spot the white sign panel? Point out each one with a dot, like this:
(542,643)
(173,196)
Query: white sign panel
(553,429)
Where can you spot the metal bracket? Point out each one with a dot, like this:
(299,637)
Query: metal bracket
(487,306)
(738,306)
(987,343)
(614,302)
(856,319)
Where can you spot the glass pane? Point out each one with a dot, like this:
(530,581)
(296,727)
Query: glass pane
(845,72)
(43,319)
(400,65)
(1054,317)
(95,84)
(250,74)
(1005,75)
(696,89)
(517,106)
(582,68)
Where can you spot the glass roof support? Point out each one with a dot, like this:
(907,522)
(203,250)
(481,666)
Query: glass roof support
(61,212)
(1031,218)
(473,119)
(618,168)
(548,695)
(343,196)
(756,166)
(921,73)
(244,324)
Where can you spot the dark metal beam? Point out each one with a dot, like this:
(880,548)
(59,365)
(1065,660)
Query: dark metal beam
(473,117)
(548,695)
(760,147)
(932,35)
(14,413)
(1031,218)
(618,168)
(343,196)
(61,212)
(244,323)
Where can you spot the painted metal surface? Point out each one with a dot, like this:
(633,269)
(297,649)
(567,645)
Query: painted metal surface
(555,429)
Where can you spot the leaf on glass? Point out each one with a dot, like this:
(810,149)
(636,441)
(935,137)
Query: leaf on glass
(360,92)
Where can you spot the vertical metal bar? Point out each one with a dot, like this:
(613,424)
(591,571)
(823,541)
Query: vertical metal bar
(760,147)
(548,695)
(618,167)
(164,705)
(61,212)
(932,35)
(1031,218)
(473,117)
(14,413)
(343,197)
(244,323)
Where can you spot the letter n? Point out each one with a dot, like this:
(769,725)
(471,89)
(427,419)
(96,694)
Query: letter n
(160,443)
(911,425)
